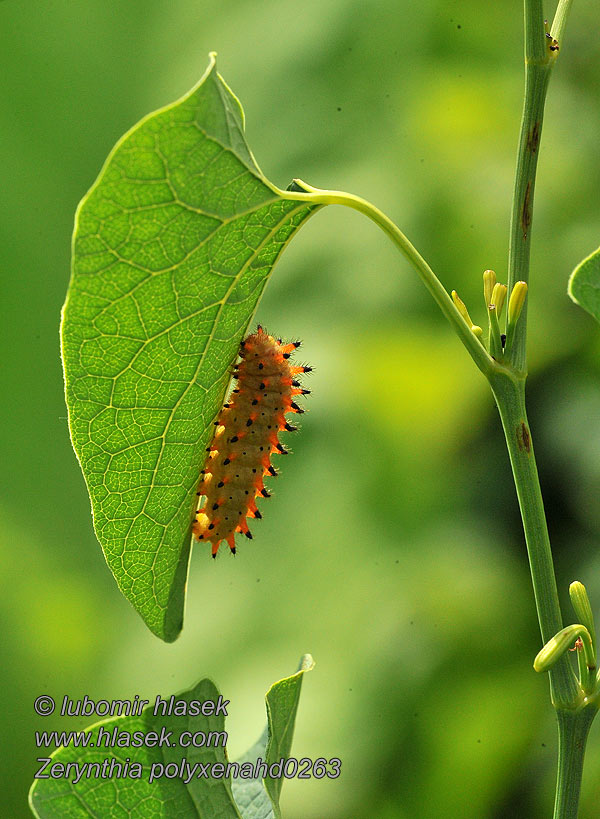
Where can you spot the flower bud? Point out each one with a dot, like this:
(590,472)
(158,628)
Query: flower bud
(489,281)
(581,603)
(461,307)
(516,301)
(556,647)
(498,297)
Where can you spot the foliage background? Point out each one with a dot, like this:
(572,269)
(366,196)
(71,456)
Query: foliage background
(392,550)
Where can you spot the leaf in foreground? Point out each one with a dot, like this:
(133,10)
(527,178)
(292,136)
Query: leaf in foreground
(172,248)
(584,284)
(168,796)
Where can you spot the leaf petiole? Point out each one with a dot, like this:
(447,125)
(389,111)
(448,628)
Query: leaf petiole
(304,192)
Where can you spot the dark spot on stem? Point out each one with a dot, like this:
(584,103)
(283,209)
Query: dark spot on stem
(523,438)
(533,138)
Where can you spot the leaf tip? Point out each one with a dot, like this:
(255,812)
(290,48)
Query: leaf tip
(306,663)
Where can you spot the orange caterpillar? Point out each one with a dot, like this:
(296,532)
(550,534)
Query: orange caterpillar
(246,436)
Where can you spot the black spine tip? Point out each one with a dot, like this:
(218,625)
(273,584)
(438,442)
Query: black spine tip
(296,408)
(215,506)
(290,428)
(272,471)
(212,526)
(257,515)
(214,556)
(262,385)
(254,402)
(234,439)
(220,484)
(295,383)
(226,461)
(233,550)
(286,355)
(248,534)
(249,422)
(307,369)
(198,493)
(297,344)
(281,449)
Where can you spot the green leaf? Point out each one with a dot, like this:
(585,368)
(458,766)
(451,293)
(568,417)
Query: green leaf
(584,284)
(282,704)
(172,248)
(167,796)
(255,800)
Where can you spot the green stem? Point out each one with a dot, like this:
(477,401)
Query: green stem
(538,65)
(507,380)
(573,729)
(539,61)
(560,20)
(535,45)
(509,392)
(304,192)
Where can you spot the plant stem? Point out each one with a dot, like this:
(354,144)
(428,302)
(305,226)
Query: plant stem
(304,192)
(573,715)
(560,20)
(507,380)
(573,729)
(538,65)
(509,392)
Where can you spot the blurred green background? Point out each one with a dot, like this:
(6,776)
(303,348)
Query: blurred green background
(392,550)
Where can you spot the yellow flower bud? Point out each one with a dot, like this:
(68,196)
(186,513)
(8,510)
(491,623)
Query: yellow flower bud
(516,301)
(498,297)
(489,281)
(460,306)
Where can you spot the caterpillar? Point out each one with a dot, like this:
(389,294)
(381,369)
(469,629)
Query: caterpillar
(246,435)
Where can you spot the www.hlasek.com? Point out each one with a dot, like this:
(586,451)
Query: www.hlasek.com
(116,737)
